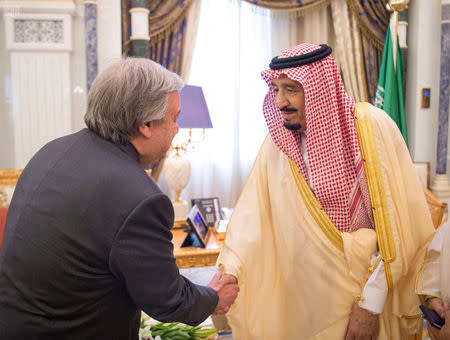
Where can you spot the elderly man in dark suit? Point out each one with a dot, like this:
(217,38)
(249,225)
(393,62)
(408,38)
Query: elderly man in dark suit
(87,243)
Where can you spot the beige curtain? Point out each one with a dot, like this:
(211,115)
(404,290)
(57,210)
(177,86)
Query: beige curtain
(348,50)
(190,34)
(293,7)
(334,25)
(172,27)
(315,27)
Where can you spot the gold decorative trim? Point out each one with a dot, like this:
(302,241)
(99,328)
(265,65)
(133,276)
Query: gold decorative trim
(316,210)
(416,316)
(164,33)
(139,10)
(370,270)
(376,189)
(422,268)
(180,224)
(195,258)
(9,176)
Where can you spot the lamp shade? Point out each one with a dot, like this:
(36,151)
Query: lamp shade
(194,111)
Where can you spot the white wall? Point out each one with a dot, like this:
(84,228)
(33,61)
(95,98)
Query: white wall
(75,95)
(6,125)
(109,34)
(78,68)
(424,33)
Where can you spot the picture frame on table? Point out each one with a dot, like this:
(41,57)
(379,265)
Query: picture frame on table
(209,208)
(198,233)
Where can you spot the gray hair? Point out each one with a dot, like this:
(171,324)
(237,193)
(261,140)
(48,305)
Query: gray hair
(128,94)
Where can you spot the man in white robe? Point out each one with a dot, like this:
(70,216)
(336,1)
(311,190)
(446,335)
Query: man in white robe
(332,225)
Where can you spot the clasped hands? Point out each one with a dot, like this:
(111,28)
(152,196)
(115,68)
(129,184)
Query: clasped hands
(226,288)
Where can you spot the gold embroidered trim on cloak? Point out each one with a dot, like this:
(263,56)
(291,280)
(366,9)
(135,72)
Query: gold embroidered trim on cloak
(315,209)
(416,316)
(376,189)
(370,270)
(422,267)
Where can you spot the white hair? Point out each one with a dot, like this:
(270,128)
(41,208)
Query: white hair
(128,94)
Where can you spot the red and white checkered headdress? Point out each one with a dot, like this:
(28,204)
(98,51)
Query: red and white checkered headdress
(334,156)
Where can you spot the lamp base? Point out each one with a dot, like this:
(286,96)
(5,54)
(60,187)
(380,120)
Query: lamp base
(180,208)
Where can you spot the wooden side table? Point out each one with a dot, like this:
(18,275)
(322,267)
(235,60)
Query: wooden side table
(188,257)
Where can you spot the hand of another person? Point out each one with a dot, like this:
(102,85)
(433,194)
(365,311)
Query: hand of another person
(227,288)
(444,332)
(362,324)
(437,305)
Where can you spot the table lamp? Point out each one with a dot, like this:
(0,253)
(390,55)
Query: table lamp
(194,114)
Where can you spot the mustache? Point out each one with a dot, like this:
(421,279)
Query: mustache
(288,109)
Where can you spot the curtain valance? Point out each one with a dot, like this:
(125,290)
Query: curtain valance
(166,19)
(296,7)
(372,18)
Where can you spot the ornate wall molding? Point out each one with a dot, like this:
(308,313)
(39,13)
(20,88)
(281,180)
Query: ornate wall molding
(12,8)
(39,41)
(39,31)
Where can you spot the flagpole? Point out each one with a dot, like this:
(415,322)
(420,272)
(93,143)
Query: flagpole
(394,35)
(395,6)
(389,94)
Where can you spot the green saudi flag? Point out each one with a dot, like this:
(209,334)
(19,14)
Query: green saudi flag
(389,95)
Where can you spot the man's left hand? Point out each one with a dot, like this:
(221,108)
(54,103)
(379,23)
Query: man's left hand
(362,324)
(444,333)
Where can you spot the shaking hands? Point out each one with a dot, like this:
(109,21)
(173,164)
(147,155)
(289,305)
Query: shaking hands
(227,288)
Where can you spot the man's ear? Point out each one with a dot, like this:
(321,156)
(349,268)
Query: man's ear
(146,129)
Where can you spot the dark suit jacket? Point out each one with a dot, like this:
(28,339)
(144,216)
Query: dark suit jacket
(87,245)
